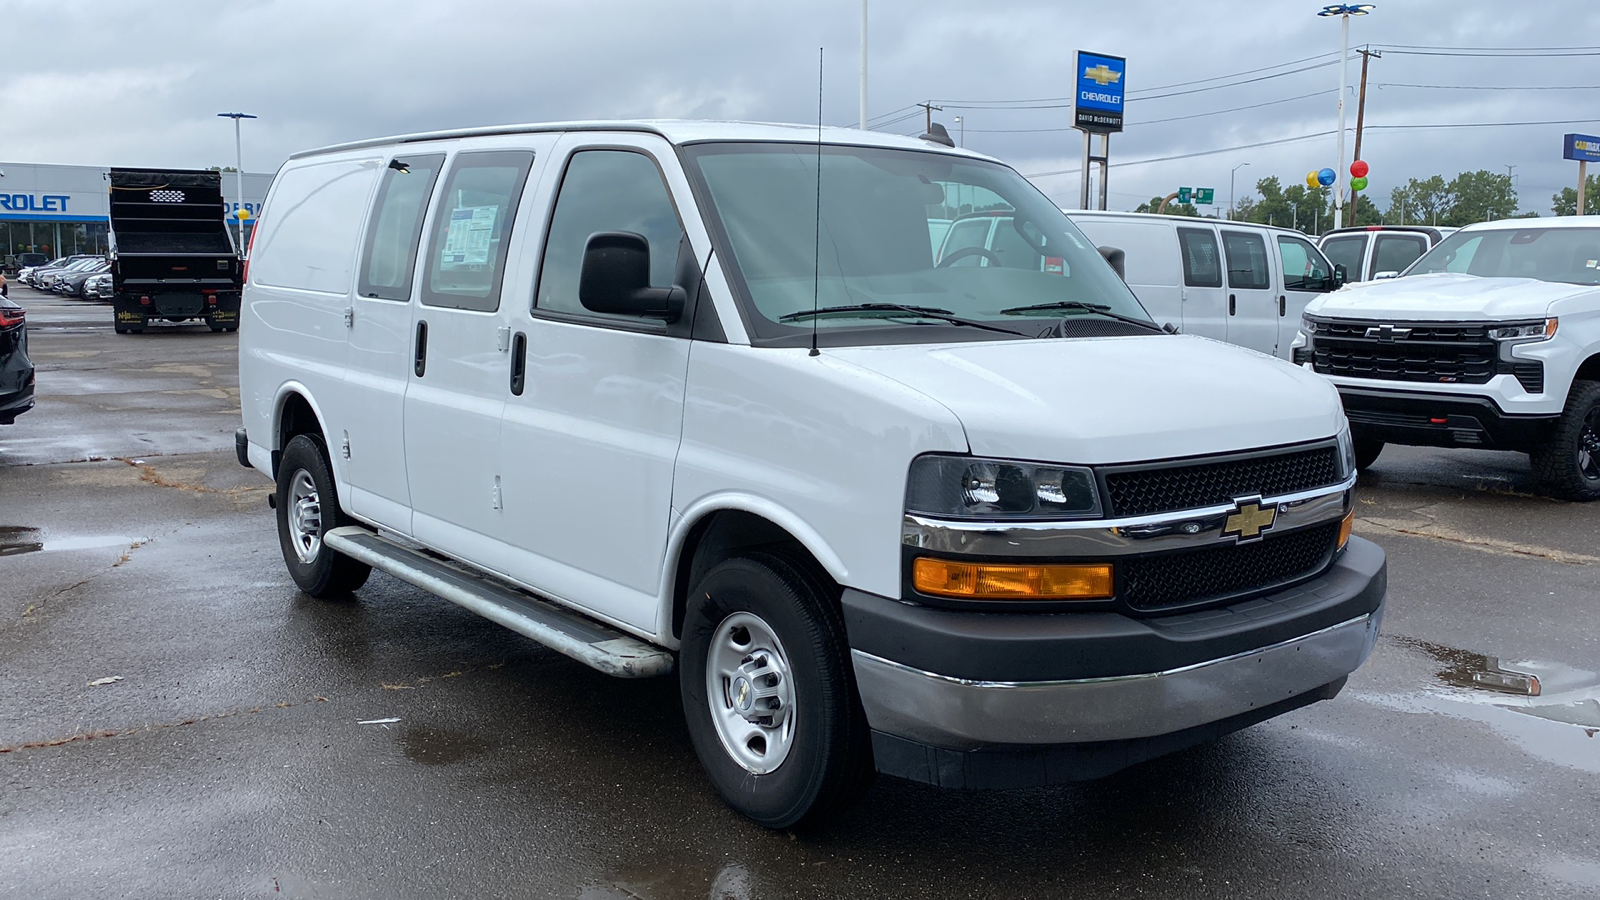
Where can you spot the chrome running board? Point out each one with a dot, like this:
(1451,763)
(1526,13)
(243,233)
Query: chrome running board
(592,643)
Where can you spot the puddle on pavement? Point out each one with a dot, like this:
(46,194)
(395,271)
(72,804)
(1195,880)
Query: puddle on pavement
(437,747)
(1546,690)
(731,882)
(16,540)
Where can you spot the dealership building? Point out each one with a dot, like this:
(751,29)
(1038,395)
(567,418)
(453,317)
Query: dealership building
(61,210)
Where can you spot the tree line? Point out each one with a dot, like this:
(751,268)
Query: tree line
(1469,197)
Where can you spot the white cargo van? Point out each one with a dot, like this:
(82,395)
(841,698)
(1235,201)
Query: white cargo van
(1232,281)
(978,527)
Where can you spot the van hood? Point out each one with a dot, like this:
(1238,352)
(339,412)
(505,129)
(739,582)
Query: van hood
(1112,400)
(1446,296)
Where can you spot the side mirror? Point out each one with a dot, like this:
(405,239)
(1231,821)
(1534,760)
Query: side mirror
(1117,259)
(1341,275)
(615,279)
(1387,273)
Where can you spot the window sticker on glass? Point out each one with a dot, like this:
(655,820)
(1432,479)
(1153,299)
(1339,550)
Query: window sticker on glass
(467,242)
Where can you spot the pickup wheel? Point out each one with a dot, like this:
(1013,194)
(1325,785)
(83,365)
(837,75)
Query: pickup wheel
(1568,465)
(1367,451)
(769,693)
(308,507)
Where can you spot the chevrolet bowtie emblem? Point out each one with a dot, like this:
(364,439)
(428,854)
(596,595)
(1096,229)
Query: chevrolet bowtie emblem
(1388,333)
(1102,75)
(1251,519)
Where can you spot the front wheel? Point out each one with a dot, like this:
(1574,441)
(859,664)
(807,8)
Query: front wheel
(1568,464)
(769,693)
(1367,451)
(308,508)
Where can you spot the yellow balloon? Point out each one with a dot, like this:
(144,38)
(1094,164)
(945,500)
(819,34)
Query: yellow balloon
(1311,180)
(243,213)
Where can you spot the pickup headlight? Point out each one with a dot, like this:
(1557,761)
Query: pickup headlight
(1519,332)
(965,487)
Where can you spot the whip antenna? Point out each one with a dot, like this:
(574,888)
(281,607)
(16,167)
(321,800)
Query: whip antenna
(816,238)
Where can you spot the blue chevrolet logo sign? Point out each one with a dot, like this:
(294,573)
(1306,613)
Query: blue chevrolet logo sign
(1098,100)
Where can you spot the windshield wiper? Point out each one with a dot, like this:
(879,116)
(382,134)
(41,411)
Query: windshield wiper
(926,312)
(1099,309)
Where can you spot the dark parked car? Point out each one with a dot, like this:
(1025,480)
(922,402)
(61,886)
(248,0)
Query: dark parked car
(16,370)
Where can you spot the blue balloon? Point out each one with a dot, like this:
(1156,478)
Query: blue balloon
(1326,177)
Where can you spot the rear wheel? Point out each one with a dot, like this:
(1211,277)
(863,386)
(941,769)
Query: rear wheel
(308,508)
(769,694)
(1568,464)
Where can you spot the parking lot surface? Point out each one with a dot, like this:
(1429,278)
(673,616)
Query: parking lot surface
(177,720)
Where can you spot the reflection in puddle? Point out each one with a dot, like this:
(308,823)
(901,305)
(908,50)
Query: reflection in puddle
(16,540)
(437,747)
(1547,690)
(732,882)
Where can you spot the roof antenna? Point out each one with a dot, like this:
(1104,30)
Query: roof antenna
(816,247)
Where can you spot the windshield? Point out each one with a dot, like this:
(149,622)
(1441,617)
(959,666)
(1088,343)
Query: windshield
(902,228)
(1570,255)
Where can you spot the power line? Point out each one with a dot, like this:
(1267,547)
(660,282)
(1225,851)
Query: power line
(1488,55)
(1494,87)
(1218,112)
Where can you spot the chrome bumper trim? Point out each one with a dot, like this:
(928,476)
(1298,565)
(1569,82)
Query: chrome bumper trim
(1185,529)
(961,713)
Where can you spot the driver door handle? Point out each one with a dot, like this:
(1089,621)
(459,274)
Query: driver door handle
(420,363)
(1233,304)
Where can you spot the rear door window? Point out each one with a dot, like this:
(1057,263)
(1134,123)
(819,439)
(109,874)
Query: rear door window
(390,257)
(1247,261)
(472,228)
(1347,252)
(1202,264)
(1396,252)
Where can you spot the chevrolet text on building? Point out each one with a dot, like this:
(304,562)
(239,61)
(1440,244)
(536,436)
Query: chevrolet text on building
(51,203)
(1491,339)
(974,525)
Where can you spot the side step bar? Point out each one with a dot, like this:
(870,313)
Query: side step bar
(592,643)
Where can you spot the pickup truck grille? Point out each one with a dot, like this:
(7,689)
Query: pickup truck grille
(1431,353)
(1215,482)
(1189,578)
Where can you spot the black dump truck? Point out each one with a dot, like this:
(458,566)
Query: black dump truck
(172,258)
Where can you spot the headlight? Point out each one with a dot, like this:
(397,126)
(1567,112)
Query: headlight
(1307,324)
(1542,330)
(1347,452)
(965,487)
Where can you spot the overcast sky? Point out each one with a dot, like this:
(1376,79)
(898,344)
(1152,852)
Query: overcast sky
(139,83)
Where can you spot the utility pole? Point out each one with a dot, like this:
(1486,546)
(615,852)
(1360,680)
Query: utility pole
(1361,116)
(928,109)
(863,125)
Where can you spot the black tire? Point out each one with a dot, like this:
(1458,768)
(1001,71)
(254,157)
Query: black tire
(128,329)
(828,764)
(1367,451)
(1568,463)
(321,572)
(215,328)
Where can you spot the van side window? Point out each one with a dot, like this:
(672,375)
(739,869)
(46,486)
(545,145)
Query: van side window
(390,256)
(1396,251)
(314,222)
(471,229)
(1304,269)
(1202,264)
(606,190)
(1247,261)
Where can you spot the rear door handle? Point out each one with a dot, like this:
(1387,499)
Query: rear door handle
(1233,304)
(420,364)
(519,363)
(1283,306)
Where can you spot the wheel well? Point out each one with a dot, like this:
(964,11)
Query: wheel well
(722,535)
(296,417)
(1590,370)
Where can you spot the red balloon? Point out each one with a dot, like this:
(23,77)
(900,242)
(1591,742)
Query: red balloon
(1358,169)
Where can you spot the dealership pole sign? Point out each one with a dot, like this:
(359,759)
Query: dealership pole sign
(1585,148)
(1097,105)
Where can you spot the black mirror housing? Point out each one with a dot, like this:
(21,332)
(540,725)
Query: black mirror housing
(1340,275)
(615,279)
(1118,260)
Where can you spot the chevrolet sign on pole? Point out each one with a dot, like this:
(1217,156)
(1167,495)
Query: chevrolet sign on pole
(1097,109)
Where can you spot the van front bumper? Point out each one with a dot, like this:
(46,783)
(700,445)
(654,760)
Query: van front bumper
(967,699)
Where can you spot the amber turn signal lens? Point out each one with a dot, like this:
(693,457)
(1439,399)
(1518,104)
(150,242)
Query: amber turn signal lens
(987,581)
(1345,527)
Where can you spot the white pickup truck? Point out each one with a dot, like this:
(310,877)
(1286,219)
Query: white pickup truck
(1492,340)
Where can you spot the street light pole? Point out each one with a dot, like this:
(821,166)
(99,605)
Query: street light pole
(238,170)
(863,65)
(1231,206)
(961,141)
(1344,11)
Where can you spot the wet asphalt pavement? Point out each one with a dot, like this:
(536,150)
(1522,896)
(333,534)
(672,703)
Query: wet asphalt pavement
(259,743)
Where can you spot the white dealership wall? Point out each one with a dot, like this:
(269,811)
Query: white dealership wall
(65,208)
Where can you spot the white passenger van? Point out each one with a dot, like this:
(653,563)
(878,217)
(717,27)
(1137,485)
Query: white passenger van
(978,527)
(1233,281)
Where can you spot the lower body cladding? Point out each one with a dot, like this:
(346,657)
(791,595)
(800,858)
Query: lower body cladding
(133,311)
(1441,420)
(1004,700)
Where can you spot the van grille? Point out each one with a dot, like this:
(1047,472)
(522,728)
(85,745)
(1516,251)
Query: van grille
(1154,583)
(1218,481)
(1433,353)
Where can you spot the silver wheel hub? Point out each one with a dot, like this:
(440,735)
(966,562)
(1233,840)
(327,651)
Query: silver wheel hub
(751,692)
(305,516)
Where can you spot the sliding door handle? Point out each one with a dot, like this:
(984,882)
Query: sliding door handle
(519,363)
(420,362)
(1233,305)
(1283,306)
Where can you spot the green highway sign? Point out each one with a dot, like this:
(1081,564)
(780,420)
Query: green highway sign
(1204,196)
(1183,195)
